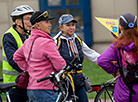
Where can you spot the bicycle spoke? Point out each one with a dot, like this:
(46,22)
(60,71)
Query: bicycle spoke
(105,94)
(109,95)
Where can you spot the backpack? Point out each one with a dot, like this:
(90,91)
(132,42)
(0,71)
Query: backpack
(129,69)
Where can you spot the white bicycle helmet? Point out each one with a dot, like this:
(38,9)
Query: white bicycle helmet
(21,10)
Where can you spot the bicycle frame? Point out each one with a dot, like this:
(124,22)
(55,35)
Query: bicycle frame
(58,80)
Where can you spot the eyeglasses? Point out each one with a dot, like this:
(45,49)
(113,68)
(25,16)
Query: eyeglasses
(27,18)
(45,14)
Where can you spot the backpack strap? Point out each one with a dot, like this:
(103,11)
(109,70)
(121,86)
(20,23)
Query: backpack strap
(59,41)
(79,40)
(129,85)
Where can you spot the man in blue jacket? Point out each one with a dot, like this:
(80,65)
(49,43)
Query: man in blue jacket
(12,39)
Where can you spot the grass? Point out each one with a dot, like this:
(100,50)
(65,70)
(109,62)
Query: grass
(96,74)
(93,71)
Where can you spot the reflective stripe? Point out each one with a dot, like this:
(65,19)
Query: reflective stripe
(10,72)
(5,59)
(80,71)
(72,82)
(71,79)
(79,40)
(58,43)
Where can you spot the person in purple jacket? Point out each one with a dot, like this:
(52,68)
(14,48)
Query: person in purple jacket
(126,42)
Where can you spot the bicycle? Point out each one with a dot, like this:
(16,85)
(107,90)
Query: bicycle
(62,81)
(104,91)
(4,88)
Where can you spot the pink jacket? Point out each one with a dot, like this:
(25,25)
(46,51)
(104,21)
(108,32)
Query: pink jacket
(44,59)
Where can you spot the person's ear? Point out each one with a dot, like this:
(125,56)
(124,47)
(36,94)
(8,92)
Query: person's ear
(61,26)
(18,22)
(37,25)
(121,28)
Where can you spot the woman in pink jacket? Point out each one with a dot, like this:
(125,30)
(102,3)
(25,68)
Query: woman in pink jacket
(44,59)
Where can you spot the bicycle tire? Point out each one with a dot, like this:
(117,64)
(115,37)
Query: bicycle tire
(101,95)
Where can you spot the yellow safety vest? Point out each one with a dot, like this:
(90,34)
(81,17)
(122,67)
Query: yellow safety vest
(10,74)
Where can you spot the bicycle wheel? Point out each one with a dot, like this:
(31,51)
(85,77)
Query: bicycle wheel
(105,94)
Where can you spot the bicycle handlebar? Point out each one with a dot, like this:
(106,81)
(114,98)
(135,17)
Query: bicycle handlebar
(68,68)
(42,79)
(65,68)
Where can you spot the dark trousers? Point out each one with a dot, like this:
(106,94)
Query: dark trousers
(81,94)
(18,95)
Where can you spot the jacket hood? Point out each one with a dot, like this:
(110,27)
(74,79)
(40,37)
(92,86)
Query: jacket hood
(38,33)
(128,47)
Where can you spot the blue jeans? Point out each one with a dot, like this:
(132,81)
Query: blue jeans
(42,95)
(81,94)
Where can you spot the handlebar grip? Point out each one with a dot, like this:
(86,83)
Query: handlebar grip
(42,79)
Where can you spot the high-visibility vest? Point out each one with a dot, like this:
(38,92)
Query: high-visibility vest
(10,74)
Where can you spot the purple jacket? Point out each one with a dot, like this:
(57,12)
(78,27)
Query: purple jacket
(121,92)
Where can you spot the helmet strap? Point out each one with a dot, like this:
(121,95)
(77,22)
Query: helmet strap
(24,27)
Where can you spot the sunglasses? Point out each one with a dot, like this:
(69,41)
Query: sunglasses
(45,14)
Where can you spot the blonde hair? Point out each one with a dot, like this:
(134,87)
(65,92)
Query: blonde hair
(34,26)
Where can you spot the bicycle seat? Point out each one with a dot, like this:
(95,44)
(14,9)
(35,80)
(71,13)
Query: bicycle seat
(6,86)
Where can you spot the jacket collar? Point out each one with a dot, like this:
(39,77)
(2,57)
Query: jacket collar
(62,36)
(126,48)
(38,33)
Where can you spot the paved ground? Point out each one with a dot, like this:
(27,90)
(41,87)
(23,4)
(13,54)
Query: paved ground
(101,47)
(91,100)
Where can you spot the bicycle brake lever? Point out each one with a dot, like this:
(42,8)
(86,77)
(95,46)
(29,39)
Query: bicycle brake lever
(48,83)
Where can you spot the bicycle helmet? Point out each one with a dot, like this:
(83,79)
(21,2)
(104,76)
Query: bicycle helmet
(19,11)
(128,21)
